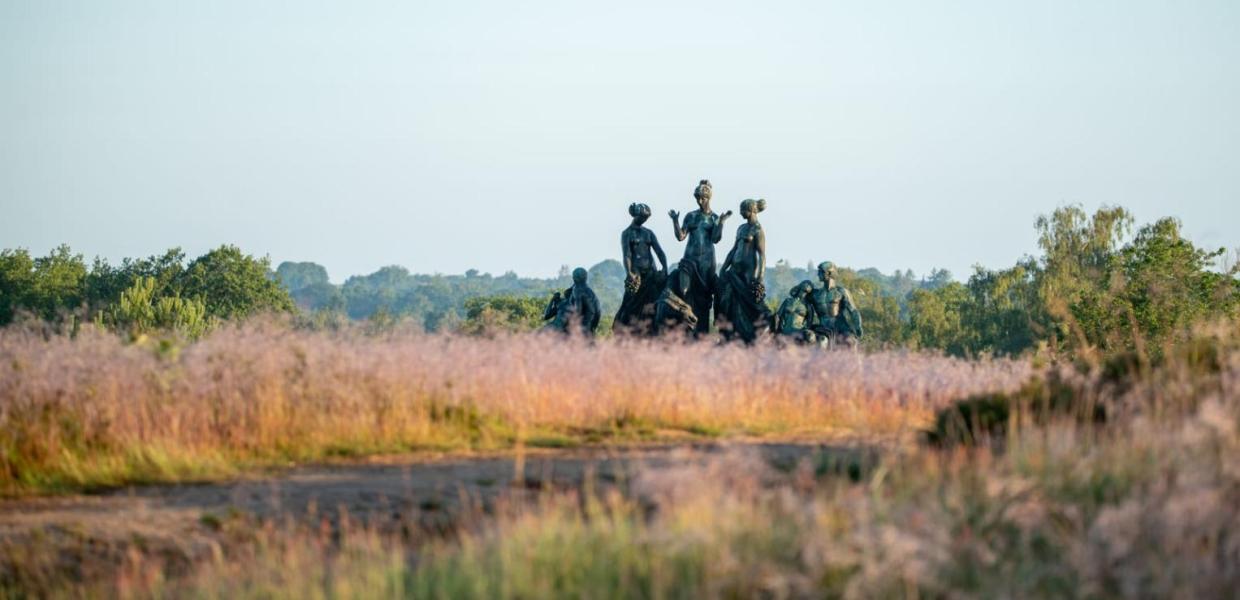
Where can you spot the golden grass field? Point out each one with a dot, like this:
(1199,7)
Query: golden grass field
(1145,504)
(93,411)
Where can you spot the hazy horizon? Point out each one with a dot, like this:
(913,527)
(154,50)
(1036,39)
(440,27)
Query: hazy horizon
(445,137)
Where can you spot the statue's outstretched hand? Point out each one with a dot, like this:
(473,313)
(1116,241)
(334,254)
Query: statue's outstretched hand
(673,214)
(725,215)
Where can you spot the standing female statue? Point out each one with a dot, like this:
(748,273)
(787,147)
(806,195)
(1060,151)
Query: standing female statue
(740,307)
(642,283)
(695,279)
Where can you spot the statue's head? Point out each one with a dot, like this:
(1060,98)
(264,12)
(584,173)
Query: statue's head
(579,276)
(827,271)
(752,207)
(639,212)
(702,193)
(802,289)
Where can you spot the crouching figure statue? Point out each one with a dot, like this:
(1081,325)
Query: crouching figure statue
(795,318)
(576,309)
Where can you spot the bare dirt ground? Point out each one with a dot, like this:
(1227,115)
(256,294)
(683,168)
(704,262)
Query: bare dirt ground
(408,495)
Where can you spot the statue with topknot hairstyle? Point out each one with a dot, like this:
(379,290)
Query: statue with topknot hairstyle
(740,306)
(795,317)
(703,189)
(695,281)
(642,282)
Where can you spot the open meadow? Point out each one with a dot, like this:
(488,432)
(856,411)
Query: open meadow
(351,465)
(94,411)
(645,300)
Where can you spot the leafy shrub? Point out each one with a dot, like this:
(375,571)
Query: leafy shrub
(510,314)
(141,311)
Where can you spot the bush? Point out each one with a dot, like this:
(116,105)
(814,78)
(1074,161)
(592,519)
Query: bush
(510,314)
(141,311)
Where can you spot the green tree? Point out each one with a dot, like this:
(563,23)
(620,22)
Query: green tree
(319,296)
(47,286)
(938,278)
(880,312)
(1099,292)
(1001,311)
(935,319)
(16,282)
(1074,275)
(58,279)
(1161,284)
(300,275)
(1092,289)
(233,285)
(494,314)
(141,310)
(781,277)
(105,283)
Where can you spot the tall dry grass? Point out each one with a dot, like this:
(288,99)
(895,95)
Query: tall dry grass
(1146,505)
(1143,511)
(95,411)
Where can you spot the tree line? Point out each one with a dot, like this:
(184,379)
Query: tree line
(161,292)
(1099,285)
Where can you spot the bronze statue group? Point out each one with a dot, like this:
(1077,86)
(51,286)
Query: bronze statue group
(658,303)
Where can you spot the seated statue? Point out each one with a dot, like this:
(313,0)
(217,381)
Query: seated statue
(576,310)
(672,312)
(837,322)
(795,317)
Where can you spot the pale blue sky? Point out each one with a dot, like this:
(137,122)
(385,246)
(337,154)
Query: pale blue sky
(509,135)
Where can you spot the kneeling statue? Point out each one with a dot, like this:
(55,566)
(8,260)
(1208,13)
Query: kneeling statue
(794,319)
(672,312)
(576,310)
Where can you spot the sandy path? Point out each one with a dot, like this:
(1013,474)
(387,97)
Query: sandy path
(182,522)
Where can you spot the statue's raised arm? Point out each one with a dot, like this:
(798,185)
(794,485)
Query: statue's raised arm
(680,234)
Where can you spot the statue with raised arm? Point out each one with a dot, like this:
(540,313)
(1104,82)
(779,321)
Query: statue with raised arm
(642,282)
(740,304)
(576,309)
(794,318)
(837,322)
(696,280)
